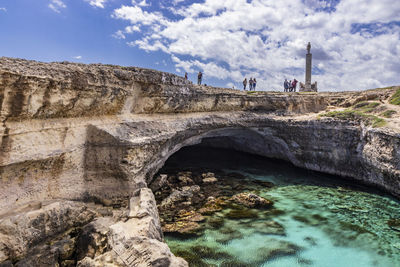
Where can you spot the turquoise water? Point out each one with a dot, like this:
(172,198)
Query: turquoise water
(317,219)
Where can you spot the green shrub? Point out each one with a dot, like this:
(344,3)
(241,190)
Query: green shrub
(366,107)
(356,115)
(388,113)
(395,99)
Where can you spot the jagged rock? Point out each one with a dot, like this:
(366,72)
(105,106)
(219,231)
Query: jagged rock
(178,196)
(92,240)
(108,259)
(184,178)
(143,205)
(136,249)
(213,205)
(251,200)
(159,182)
(182,227)
(190,216)
(21,232)
(187,222)
(209,178)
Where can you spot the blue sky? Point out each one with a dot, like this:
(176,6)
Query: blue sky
(355,43)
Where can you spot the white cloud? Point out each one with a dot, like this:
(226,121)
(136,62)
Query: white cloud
(232,39)
(3,9)
(97,3)
(56,5)
(77,57)
(131,29)
(119,35)
(143,3)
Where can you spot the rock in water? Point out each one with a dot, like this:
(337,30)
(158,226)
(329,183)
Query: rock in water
(251,200)
(394,224)
(209,178)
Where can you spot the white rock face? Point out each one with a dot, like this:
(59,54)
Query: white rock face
(97,133)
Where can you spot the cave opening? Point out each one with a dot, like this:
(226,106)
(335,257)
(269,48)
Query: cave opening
(220,205)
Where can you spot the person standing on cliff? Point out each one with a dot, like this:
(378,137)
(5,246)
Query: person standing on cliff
(250,84)
(285,85)
(186,76)
(199,77)
(294,84)
(254,84)
(244,84)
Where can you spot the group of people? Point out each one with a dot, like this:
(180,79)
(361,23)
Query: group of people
(199,77)
(252,84)
(290,86)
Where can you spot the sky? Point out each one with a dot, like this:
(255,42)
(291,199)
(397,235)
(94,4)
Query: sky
(355,43)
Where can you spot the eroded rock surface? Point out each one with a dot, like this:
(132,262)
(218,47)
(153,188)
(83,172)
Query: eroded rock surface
(99,133)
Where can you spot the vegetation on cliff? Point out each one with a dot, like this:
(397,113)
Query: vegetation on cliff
(395,99)
(359,112)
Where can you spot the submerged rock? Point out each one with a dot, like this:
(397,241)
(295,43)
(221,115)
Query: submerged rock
(242,214)
(183,194)
(182,227)
(273,248)
(216,222)
(252,200)
(268,227)
(394,224)
(213,205)
(184,178)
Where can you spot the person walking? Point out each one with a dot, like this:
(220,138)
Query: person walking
(244,84)
(294,84)
(254,84)
(250,84)
(199,77)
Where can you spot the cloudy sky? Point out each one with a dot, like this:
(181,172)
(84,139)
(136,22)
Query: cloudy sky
(355,43)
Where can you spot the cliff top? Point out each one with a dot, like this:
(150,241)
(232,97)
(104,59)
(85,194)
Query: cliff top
(37,90)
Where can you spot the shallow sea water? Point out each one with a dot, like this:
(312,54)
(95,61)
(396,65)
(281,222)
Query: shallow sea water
(327,221)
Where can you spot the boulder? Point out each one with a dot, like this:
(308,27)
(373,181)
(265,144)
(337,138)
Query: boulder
(19,233)
(135,249)
(185,178)
(92,240)
(179,195)
(209,178)
(251,200)
(159,182)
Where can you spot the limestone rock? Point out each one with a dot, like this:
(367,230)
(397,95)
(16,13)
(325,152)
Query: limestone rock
(213,205)
(185,178)
(178,196)
(108,259)
(159,182)
(251,200)
(209,178)
(143,205)
(187,223)
(92,240)
(134,249)
(22,232)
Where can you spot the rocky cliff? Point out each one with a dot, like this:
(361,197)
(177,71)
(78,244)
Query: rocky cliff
(89,138)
